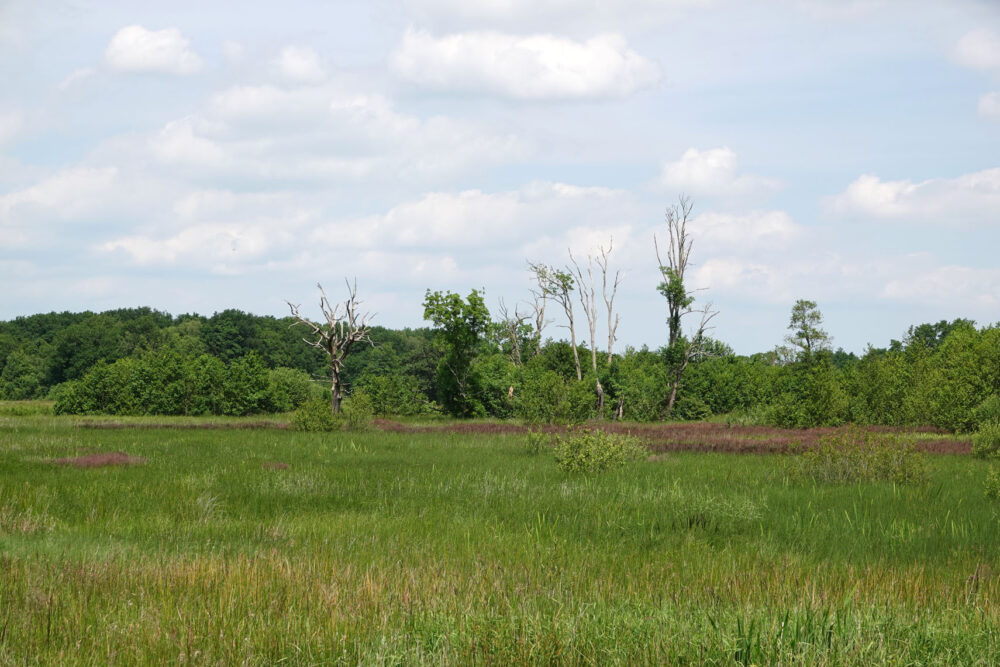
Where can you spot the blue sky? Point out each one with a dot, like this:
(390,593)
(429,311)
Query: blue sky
(200,156)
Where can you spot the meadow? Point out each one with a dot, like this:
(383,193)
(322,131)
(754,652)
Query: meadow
(240,542)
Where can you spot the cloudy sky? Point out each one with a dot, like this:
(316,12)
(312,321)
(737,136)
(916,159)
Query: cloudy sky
(196,156)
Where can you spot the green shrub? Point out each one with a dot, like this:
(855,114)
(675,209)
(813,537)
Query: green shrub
(691,408)
(315,415)
(589,451)
(986,441)
(357,412)
(392,395)
(289,388)
(860,456)
(993,484)
(988,412)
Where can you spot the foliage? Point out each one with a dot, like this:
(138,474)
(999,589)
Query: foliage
(860,456)
(805,323)
(357,412)
(691,408)
(289,388)
(986,441)
(460,325)
(315,415)
(536,441)
(987,412)
(392,394)
(588,451)
(811,396)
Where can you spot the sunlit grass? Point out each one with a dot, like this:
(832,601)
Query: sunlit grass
(402,548)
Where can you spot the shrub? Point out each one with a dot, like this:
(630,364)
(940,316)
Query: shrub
(289,388)
(993,484)
(986,441)
(391,395)
(356,412)
(860,456)
(691,408)
(988,412)
(315,415)
(589,451)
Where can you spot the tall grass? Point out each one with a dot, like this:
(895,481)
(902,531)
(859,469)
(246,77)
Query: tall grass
(403,548)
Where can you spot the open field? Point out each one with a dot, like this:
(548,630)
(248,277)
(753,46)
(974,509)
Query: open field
(453,545)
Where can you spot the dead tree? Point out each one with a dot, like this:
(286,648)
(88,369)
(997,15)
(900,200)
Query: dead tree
(512,329)
(540,300)
(343,328)
(558,285)
(679,299)
(609,298)
(588,299)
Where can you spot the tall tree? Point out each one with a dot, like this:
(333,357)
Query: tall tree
(588,299)
(805,323)
(343,328)
(461,325)
(681,350)
(673,270)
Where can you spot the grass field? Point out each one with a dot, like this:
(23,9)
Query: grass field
(429,546)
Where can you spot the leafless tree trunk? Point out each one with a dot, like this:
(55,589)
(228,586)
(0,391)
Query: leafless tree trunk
(609,298)
(679,299)
(558,285)
(343,328)
(585,290)
(540,300)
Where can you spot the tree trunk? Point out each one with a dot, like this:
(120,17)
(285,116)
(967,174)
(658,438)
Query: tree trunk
(600,399)
(336,394)
(576,353)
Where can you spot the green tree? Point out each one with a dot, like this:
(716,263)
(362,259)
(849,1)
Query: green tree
(805,323)
(461,326)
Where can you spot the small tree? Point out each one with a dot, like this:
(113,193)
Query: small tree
(805,325)
(461,325)
(343,328)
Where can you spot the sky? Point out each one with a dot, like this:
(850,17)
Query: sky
(194,156)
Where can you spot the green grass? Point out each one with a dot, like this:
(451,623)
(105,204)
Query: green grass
(397,548)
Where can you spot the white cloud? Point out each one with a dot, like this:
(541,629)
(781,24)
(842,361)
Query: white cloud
(977,289)
(989,105)
(979,49)
(300,64)
(712,172)
(757,229)
(533,67)
(322,132)
(970,198)
(136,49)
(67,194)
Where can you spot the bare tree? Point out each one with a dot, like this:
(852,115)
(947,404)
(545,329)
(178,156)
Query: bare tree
(343,328)
(679,299)
(557,285)
(609,298)
(540,300)
(512,328)
(585,290)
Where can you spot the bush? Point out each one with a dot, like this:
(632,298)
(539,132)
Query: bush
(986,441)
(288,388)
(988,412)
(589,451)
(315,415)
(392,395)
(691,408)
(860,456)
(356,412)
